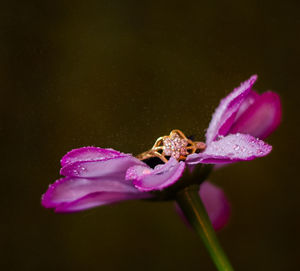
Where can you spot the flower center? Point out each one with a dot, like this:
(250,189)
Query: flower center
(175,145)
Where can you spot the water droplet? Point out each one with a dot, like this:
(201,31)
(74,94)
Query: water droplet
(236,147)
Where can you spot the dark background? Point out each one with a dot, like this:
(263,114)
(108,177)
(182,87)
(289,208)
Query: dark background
(120,74)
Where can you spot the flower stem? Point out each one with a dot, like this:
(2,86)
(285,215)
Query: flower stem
(194,210)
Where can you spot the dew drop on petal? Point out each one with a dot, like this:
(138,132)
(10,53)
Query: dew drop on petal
(236,147)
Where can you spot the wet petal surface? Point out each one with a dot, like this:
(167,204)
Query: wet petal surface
(225,113)
(68,190)
(232,148)
(88,154)
(115,166)
(147,179)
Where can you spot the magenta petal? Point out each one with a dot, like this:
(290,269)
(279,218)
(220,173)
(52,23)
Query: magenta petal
(88,154)
(97,168)
(248,101)
(232,148)
(216,204)
(68,190)
(147,179)
(226,112)
(261,118)
(98,199)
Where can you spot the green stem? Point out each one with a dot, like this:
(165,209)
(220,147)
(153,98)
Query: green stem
(194,210)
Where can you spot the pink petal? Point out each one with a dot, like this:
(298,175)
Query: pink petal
(226,112)
(147,179)
(105,166)
(261,118)
(232,148)
(215,203)
(69,190)
(98,199)
(249,100)
(88,154)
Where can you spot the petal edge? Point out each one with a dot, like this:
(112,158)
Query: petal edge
(162,176)
(231,148)
(225,113)
(261,118)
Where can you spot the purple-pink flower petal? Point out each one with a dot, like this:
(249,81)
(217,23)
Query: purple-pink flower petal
(216,204)
(98,199)
(88,154)
(70,190)
(232,148)
(261,118)
(226,112)
(96,168)
(248,101)
(146,179)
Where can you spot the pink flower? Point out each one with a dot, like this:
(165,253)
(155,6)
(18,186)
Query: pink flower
(96,176)
(237,124)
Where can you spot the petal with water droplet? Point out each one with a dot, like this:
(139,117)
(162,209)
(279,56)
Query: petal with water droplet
(74,194)
(88,154)
(231,148)
(147,179)
(225,113)
(116,166)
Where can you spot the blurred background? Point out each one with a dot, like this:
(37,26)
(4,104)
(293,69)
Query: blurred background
(120,74)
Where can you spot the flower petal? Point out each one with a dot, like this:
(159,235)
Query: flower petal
(261,118)
(226,112)
(116,165)
(147,179)
(232,148)
(68,190)
(98,199)
(88,154)
(249,100)
(215,203)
